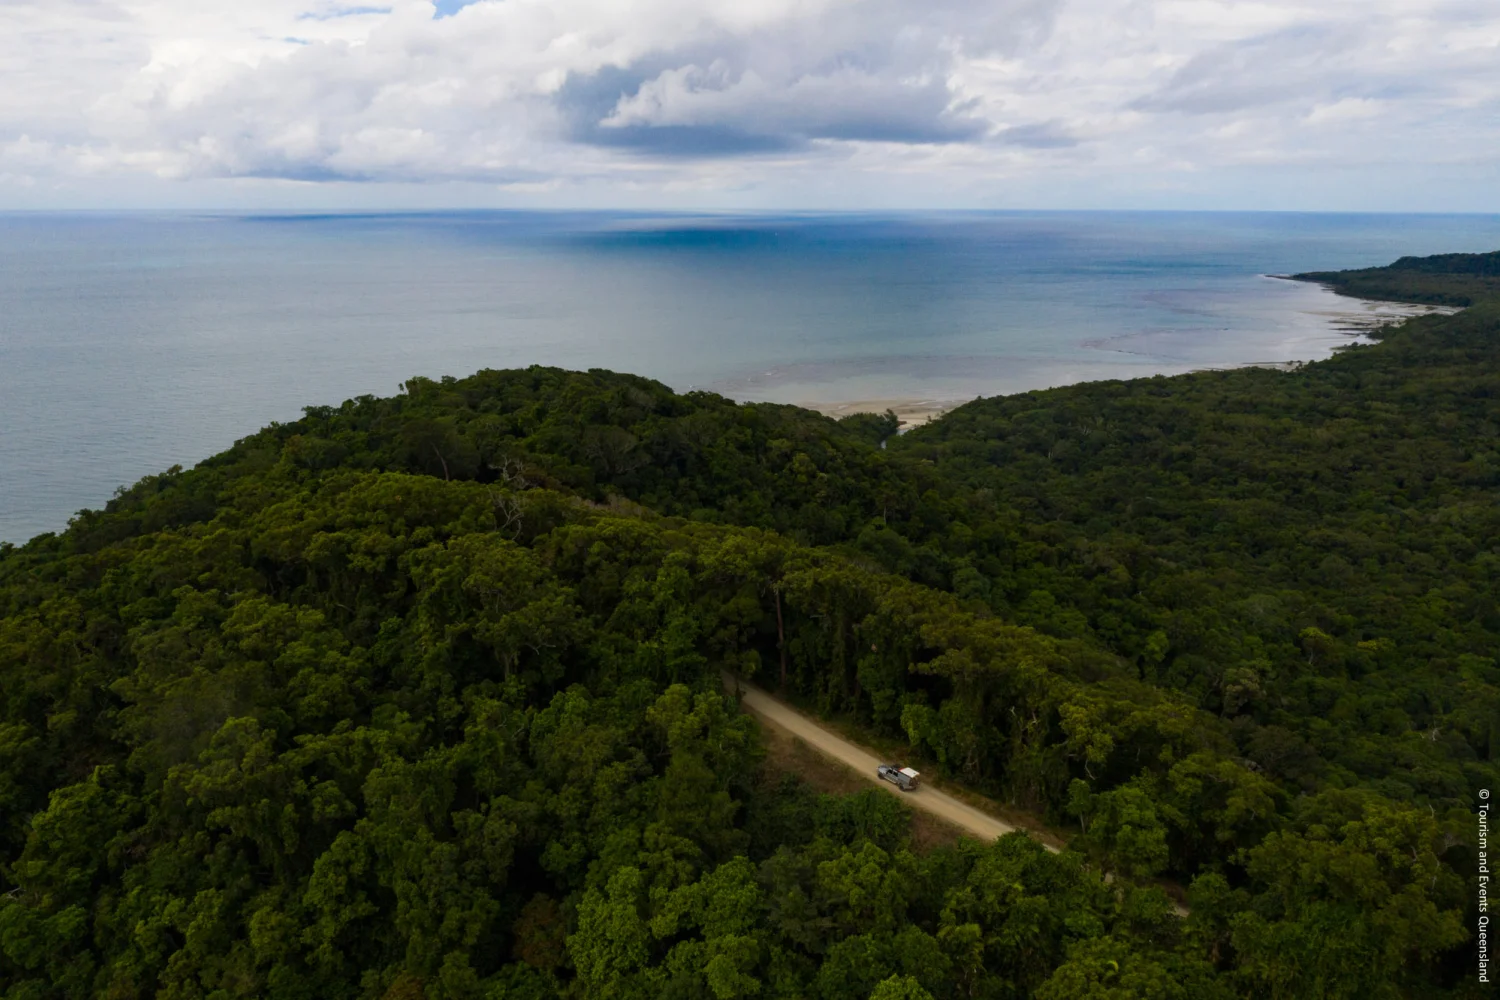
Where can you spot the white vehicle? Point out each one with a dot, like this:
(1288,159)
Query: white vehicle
(903,778)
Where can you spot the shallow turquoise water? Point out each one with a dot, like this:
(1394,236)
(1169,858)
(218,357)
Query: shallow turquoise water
(132,342)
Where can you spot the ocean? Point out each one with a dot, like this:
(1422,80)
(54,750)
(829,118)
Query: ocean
(132,342)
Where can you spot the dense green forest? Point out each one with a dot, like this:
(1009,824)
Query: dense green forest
(1451,279)
(420,697)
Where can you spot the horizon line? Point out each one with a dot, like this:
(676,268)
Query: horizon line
(352,212)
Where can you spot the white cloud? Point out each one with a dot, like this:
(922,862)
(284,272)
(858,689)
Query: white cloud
(878,101)
(1346,109)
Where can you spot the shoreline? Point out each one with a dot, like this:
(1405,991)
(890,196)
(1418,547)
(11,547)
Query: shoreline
(1356,320)
(1359,316)
(911,412)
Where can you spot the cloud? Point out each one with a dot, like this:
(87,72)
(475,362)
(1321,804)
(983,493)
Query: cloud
(1038,135)
(329,14)
(721,109)
(886,97)
(1254,72)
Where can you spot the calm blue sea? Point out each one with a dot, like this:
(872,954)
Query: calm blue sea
(129,343)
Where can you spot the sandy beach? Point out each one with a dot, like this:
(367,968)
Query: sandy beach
(1348,319)
(911,412)
(1359,316)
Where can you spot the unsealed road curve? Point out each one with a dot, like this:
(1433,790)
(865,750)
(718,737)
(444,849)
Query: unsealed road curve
(925,798)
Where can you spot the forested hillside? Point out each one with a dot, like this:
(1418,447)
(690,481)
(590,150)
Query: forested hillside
(420,697)
(1453,279)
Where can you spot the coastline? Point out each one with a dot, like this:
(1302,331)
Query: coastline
(1360,316)
(911,412)
(1347,319)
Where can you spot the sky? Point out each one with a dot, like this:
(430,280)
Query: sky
(1306,105)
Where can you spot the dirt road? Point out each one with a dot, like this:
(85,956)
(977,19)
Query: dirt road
(830,744)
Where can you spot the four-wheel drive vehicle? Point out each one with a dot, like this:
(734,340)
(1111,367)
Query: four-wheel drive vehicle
(903,778)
